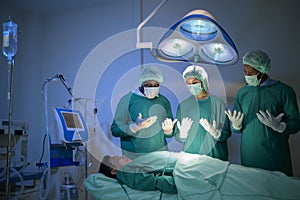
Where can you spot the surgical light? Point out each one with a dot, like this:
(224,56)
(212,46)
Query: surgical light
(176,48)
(196,38)
(198,29)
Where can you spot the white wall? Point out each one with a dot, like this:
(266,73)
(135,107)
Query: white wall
(62,43)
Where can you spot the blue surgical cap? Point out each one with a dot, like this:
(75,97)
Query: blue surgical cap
(259,60)
(151,73)
(198,72)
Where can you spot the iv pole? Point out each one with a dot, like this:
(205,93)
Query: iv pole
(9,149)
(9,49)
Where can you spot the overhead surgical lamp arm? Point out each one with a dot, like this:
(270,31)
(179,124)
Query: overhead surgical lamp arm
(143,45)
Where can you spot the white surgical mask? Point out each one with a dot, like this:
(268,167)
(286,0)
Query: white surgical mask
(151,92)
(195,89)
(253,80)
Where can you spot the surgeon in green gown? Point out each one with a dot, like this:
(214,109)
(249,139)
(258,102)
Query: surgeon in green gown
(143,118)
(202,124)
(266,113)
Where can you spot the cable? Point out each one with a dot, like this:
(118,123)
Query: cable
(43,185)
(43,149)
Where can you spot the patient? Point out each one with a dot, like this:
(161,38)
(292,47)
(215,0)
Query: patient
(198,176)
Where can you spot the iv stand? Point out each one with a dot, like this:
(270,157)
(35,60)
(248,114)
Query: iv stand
(9,149)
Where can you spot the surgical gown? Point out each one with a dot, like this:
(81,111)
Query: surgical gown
(150,172)
(261,146)
(199,141)
(148,139)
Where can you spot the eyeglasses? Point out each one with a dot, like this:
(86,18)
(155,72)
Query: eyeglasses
(151,85)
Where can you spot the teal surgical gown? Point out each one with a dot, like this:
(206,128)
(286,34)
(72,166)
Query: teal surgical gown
(148,139)
(261,146)
(199,141)
(150,172)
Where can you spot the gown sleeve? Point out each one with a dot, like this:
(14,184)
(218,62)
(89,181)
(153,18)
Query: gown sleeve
(291,112)
(148,181)
(122,120)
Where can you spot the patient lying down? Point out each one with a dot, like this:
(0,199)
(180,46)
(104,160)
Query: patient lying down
(198,176)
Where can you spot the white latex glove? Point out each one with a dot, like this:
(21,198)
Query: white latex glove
(141,123)
(273,122)
(235,118)
(168,125)
(210,128)
(184,127)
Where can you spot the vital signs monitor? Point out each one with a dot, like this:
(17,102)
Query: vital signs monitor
(71,125)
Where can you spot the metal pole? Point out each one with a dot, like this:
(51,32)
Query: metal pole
(9,149)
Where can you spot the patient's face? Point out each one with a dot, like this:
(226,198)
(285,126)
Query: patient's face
(118,161)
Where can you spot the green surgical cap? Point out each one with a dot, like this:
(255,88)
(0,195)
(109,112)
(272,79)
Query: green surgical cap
(151,73)
(195,71)
(259,60)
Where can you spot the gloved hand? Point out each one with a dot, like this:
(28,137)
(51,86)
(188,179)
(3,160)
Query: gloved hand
(168,125)
(235,118)
(210,128)
(141,123)
(273,122)
(184,127)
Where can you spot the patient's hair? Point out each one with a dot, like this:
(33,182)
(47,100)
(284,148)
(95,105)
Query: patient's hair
(105,167)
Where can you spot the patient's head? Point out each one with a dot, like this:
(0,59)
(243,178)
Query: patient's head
(110,165)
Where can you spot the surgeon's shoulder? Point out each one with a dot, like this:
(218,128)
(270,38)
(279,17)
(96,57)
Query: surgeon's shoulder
(216,98)
(188,100)
(128,95)
(283,86)
(163,98)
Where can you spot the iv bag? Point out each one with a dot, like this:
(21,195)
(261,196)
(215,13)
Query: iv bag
(10,39)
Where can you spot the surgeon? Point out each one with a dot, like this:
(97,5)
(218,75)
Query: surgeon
(266,113)
(143,118)
(202,124)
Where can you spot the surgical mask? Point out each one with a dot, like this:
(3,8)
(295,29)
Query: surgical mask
(195,89)
(253,80)
(151,92)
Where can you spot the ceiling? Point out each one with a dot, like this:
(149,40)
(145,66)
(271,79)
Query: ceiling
(50,7)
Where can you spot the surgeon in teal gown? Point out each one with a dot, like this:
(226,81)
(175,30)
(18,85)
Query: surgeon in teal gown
(266,113)
(202,124)
(139,117)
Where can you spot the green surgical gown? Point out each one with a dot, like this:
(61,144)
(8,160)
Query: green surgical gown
(150,172)
(261,146)
(148,139)
(199,141)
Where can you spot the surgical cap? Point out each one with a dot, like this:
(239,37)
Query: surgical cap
(151,73)
(198,72)
(259,60)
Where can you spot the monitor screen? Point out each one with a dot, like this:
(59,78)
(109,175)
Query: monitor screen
(70,124)
(73,121)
